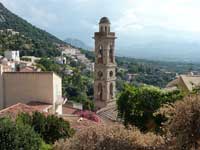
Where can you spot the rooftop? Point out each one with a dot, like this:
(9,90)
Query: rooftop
(14,110)
(104,20)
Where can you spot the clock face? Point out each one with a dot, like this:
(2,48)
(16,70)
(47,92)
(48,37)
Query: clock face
(100,74)
(111,73)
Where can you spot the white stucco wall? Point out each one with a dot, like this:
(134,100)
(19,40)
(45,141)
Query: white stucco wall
(1,87)
(26,87)
(57,94)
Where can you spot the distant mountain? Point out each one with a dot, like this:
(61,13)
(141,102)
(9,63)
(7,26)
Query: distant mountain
(38,39)
(77,43)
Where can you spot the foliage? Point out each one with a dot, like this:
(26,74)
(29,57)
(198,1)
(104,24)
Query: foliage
(88,105)
(137,105)
(184,122)
(18,136)
(50,128)
(30,37)
(48,65)
(45,146)
(111,138)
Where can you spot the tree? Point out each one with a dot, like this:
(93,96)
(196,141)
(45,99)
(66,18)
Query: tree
(50,128)
(18,136)
(183,122)
(111,138)
(137,105)
(56,128)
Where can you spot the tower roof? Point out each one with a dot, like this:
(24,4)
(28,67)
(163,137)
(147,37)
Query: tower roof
(104,20)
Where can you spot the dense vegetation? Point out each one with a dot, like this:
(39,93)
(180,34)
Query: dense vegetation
(181,132)
(31,38)
(111,138)
(183,122)
(156,73)
(32,132)
(18,136)
(137,105)
(50,128)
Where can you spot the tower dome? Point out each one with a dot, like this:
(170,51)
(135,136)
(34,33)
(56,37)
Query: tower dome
(104,20)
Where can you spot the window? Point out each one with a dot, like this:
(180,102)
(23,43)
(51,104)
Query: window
(111,73)
(111,54)
(101,30)
(111,90)
(100,74)
(100,92)
(100,55)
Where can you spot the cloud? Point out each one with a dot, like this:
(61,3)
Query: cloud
(129,18)
(128,22)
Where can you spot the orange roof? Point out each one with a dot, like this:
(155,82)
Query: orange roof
(40,106)
(14,110)
(69,110)
(27,69)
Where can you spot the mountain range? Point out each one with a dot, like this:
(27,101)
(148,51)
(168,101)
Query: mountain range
(31,35)
(77,43)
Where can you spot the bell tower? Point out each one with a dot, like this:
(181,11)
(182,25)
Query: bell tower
(105,66)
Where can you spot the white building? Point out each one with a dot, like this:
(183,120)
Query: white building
(90,66)
(69,51)
(27,87)
(12,55)
(61,60)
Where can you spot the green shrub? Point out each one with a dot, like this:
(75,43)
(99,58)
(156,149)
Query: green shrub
(18,136)
(137,105)
(50,128)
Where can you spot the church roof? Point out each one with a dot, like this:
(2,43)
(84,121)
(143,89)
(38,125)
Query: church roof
(104,20)
(189,81)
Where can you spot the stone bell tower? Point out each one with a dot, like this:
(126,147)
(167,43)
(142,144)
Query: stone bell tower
(105,66)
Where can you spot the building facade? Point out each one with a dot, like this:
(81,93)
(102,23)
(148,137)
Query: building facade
(105,65)
(12,55)
(26,87)
(185,83)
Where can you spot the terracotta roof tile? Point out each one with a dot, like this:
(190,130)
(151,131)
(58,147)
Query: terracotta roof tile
(69,110)
(14,110)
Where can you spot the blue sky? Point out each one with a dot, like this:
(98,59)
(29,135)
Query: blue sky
(134,21)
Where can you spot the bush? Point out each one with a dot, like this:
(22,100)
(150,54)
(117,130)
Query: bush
(136,106)
(184,122)
(111,138)
(50,128)
(18,136)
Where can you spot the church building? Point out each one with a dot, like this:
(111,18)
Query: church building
(105,65)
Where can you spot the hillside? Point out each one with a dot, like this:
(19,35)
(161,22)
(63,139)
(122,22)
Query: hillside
(35,38)
(77,43)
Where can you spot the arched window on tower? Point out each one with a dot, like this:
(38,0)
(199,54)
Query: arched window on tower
(111,54)
(111,90)
(100,55)
(100,92)
(101,29)
(100,75)
(105,29)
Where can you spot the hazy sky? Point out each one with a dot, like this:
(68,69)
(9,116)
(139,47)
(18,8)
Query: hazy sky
(134,21)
